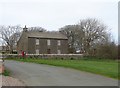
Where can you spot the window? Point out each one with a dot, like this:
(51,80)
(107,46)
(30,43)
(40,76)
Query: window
(37,41)
(37,51)
(59,43)
(59,52)
(48,42)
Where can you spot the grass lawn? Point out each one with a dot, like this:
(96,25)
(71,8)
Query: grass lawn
(103,67)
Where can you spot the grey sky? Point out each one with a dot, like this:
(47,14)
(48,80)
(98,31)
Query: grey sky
(54,14)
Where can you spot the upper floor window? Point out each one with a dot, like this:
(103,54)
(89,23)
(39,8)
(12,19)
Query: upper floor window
(48,42)
(37,41)
(59,43)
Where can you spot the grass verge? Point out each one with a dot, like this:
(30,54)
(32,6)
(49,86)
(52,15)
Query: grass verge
(106,67)
(6,73)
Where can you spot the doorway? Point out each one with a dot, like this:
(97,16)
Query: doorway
(48,51)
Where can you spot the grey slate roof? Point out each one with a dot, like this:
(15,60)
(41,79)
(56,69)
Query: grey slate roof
(55,35)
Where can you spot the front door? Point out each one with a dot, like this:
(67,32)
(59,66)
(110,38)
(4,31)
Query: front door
(48,51)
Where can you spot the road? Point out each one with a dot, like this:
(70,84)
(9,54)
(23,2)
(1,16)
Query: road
(45,75)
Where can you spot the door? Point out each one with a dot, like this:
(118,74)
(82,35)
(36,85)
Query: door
(48,51)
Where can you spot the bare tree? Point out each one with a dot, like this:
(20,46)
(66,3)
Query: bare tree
(37,29)
(69,32)
(86,34)
(9,35)
(94,32)
(74,34)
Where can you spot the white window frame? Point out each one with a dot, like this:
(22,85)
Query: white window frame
(59,51)
(37,51)
(48,42)
(58,42)
(37,41)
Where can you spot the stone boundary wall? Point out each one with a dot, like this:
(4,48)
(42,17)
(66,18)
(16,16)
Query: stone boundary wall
(45,56)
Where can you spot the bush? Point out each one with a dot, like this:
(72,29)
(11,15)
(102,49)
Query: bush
(109,51)
(6,73)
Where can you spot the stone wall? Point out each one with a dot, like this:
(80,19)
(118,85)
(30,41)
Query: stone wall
(45,56)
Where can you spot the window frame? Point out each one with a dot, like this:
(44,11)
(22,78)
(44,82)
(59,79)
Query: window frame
(37,42)
(48,42)
(58,42)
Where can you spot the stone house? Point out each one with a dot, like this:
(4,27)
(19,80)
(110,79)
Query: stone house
(33,42)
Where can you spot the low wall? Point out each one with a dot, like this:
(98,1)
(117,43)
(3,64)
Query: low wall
(47,56)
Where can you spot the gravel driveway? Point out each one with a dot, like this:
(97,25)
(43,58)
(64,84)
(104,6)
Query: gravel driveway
(10,81)
(45,75)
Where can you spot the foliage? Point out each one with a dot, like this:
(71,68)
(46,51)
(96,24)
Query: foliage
(74,34)
(107,50)
(90,37)
(118,51)
(6,73)
(85,34)
(37,29)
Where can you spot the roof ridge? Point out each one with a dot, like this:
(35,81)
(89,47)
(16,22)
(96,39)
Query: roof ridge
(57,35)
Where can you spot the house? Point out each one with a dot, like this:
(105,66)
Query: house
(33,42)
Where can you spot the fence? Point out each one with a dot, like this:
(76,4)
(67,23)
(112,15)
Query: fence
(46,56)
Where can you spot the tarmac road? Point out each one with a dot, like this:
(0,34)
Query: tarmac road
(45,75)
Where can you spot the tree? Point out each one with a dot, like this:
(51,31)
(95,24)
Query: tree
(108,50)
(14,39)
(85,34)
(119,52)
(10,35)
(73,34)
(94,32)
(37,29)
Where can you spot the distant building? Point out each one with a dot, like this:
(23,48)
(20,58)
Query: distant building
(4,49)
(33,42)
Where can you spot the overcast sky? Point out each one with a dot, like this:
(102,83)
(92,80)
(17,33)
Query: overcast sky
(54,14)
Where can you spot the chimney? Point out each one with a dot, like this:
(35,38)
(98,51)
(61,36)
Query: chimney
(25,28)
